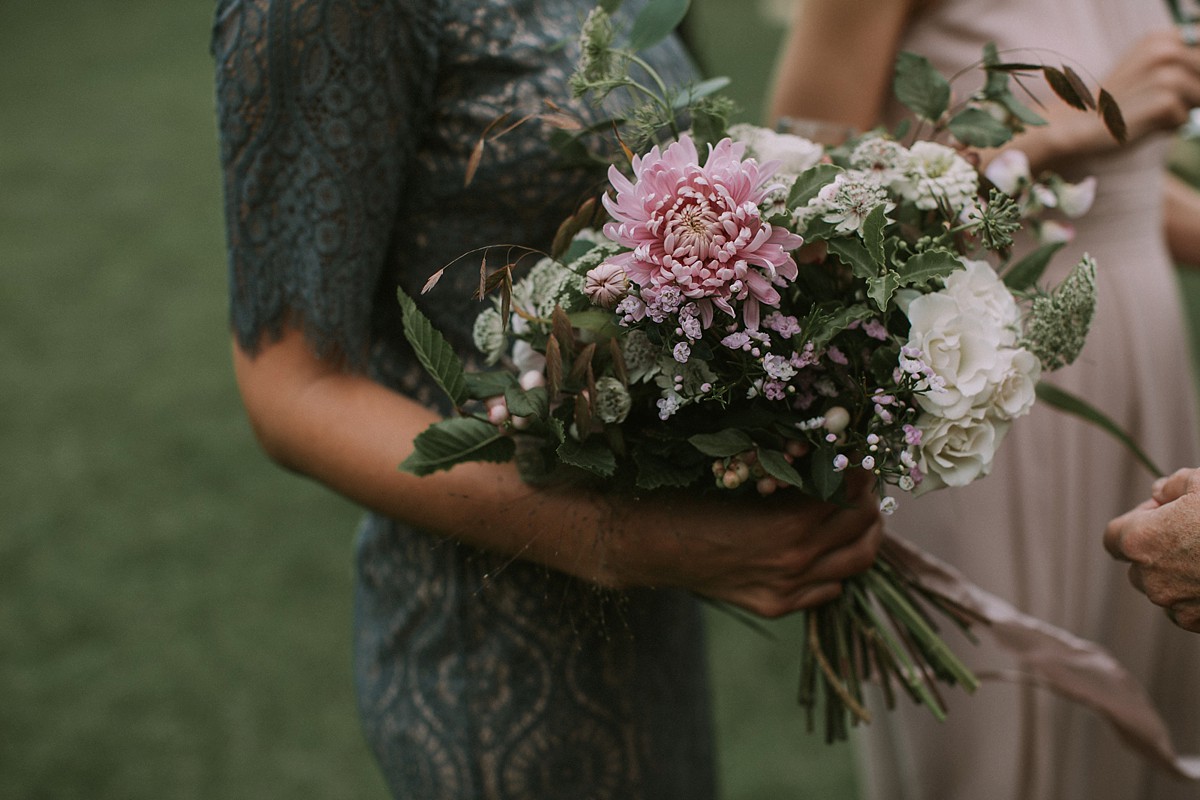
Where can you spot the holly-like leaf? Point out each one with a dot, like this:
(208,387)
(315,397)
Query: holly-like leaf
(722,444)
(854,254)
(1026,272)
(977,128)
(872,233)
(456,441)
(433,351)
(655,22)
(809,182)
(920,87)
(927,266)
(882,288)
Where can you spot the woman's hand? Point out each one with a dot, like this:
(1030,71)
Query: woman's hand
(769,556)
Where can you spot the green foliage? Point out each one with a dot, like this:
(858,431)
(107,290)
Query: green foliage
(1028,271)
(1072,404)
(433,351)
(920,87)
(722,444)
(976,127)
(591,455)
(455,441)
(778,467)
(655,22)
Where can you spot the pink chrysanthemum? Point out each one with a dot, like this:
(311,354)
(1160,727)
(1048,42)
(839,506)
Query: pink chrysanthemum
(698,229)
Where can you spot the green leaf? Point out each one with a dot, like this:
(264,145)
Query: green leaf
(482,385)
(809,182)
(873,227)
(532,403)
(882,288)
(920,87)
(927,266)
(1026,272)
(700,90)
(1020,110)
(826,480)
(592,455)
(976,127)
(455,441)
(722,444)
(657,472)
(778,467)
(655,22)
(1071,404)
(854,254)
(597,321)
(433,351)
(822,326)
(610,6)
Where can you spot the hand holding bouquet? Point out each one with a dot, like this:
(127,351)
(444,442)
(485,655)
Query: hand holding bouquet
(747,311)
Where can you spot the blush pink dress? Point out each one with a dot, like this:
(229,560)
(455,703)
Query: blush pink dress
(1031,531)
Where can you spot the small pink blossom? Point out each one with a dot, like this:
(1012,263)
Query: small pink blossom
(697,228)
(606,284)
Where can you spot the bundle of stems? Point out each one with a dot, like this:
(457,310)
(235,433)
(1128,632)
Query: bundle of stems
(883,630)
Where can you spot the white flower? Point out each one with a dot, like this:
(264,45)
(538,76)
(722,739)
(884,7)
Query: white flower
(1051,231)
(1016,384)
(612,400)
(794,154)
(964,333)
(527,359)
(883,159)
(850,199)
(955,452)
(937,176)
(548,284)
(1075,199)
(488,334)
(1009,171)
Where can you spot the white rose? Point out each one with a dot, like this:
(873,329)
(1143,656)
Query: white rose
(979,290)
(1016,385)
(955,452)
(960,347)
(794,154)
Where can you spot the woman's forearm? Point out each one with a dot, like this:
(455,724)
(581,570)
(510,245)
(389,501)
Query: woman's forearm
(1181,212)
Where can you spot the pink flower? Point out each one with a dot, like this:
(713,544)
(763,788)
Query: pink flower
(697,228)
(605,285)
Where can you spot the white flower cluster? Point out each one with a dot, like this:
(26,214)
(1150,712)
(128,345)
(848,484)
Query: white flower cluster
(981,378)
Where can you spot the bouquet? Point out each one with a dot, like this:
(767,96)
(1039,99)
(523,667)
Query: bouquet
(744,310)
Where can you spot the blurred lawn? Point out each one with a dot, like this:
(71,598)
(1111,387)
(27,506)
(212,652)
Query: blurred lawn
(175,611)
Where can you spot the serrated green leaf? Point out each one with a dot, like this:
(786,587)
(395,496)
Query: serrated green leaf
(592,455)
(821,327)
(777,466)
(482,385)
(433,351)
(722,444)
(872,233)
(927,266)
(532,403)
(1065,401)
(1026,272)
(809,182)
(920,87)
(853,253)
(656,472)
(882,288)
(455,441)
(655,22)
(826,480)
(977,128)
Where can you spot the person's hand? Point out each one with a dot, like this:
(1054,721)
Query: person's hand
(1161,540)
(770,556)
(1157,83)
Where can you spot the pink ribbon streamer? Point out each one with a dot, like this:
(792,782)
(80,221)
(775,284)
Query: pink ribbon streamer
(1068,665)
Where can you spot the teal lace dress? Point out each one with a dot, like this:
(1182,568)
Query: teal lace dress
(346,127)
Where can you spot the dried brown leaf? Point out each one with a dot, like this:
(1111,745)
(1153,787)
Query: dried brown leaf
(473,162)
(1063,88)
(583,415)
(554,367)
(584,217)
(620,370)
(1081,88)
(1114,120)
(563,331)
(433,280)
(583,363)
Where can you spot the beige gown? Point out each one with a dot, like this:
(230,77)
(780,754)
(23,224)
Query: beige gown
(1031,531)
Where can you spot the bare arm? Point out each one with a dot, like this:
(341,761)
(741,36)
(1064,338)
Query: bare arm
(770,557)
(1182,213)
(837,63)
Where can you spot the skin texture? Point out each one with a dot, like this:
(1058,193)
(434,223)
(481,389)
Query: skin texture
(1155,84)
(770,556)
(1161,541)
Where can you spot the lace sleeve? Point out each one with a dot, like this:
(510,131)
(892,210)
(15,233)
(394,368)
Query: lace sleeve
(319,104)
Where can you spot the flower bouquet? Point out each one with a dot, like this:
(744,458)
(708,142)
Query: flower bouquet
(747,311)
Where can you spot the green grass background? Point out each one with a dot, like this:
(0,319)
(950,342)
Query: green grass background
(174,610)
